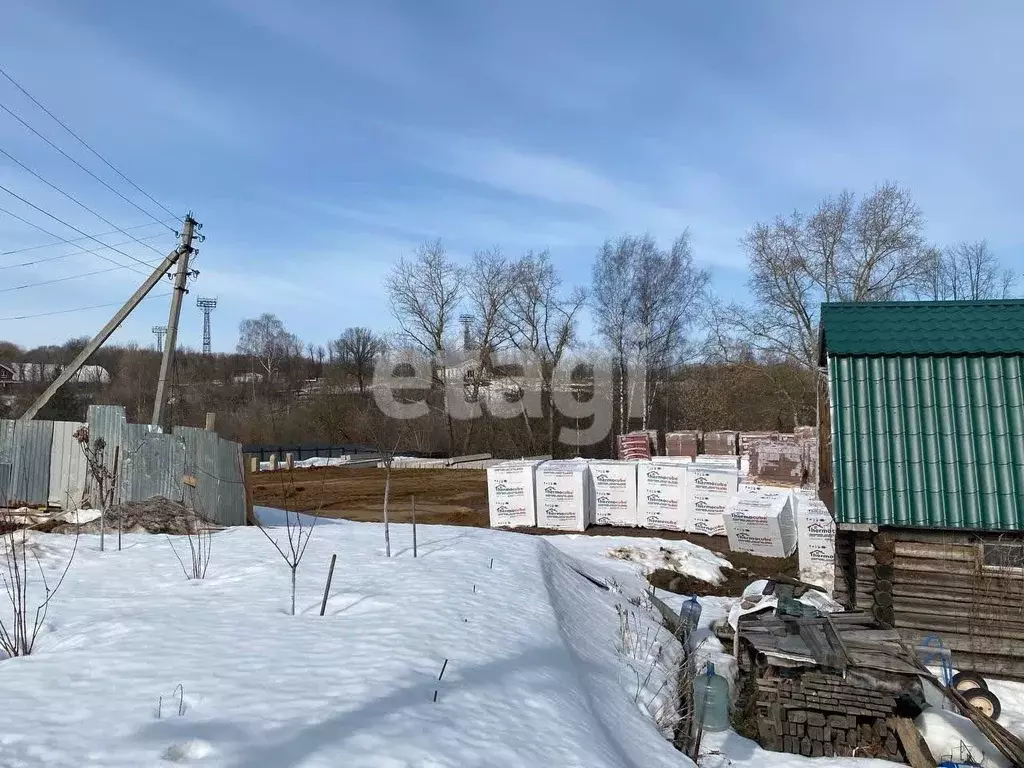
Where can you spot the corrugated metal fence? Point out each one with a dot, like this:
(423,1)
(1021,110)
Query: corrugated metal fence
(42,464)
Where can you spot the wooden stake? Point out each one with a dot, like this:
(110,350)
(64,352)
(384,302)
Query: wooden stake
(211,420)
(414,526)
(327,589)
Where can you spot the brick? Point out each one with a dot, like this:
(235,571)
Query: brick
(839,737)
(800,729)
(815,718)
(890,745)
(828,750)
(797,716)
(851,737)
(816,749)
(815,733)
(805,747)
(826,733)
(791,745)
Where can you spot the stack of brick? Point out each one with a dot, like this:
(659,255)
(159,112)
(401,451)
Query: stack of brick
(748,439)
(683,443)
(776,462)
(635,446)
(820,715)
(724,442)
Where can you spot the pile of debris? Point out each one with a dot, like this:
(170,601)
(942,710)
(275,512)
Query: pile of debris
(154,515)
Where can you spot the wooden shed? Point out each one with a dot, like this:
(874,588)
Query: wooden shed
(922,465)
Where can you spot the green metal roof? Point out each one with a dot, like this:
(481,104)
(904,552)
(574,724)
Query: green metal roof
(928,441)
(923,328)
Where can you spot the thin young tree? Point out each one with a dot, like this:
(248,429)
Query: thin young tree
(967,271)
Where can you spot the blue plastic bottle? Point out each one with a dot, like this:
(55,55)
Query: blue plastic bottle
(689,614)
(711,695)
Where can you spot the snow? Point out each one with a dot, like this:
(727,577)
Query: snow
(534,676)
(541,668)
(647,555)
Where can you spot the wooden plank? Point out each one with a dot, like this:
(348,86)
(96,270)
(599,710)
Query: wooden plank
(970,580)
(1005,616)
(987,641)
(965,553)
(913,744)
(934,566)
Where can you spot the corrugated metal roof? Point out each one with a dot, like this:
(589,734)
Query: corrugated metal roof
(923,328)
(929,441)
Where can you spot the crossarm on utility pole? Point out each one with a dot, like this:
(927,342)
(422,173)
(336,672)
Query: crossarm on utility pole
(104,334)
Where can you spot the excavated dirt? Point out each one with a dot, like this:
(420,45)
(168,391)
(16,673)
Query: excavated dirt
(155,515)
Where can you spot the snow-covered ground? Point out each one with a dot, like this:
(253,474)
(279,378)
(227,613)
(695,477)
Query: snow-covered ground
(539,670)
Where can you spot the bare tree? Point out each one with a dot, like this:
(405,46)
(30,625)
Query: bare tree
(489,281)
(425,292)
(967,271)
(385,434)
(355,351)
(298,531)
(265,341)
(540,321)
(647,300)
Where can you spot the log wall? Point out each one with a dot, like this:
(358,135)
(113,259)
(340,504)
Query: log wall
(932,583)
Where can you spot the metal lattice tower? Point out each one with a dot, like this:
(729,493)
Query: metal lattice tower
(207,305)
(467,334)
(159,331)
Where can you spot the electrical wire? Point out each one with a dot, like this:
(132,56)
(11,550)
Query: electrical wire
(74,199)
(73,253)
(59,279)
(77,309)
(63,241)
(73,160)
(70,226)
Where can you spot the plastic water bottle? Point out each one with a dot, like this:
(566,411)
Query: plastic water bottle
(689,615)
(711,696)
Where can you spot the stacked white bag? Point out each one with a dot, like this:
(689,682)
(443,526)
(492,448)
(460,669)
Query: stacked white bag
(816,537)
(760,520)
(563,494)
(709,487)
(511,496)
(661,495)
(613,492)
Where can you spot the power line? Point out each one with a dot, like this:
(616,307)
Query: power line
(60,279)
(73,160)
(71,226)
(68,255)
(77,309)
(75,200)
(65,241)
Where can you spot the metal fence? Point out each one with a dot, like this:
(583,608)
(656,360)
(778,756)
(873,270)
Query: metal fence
(42,464)
(301,451)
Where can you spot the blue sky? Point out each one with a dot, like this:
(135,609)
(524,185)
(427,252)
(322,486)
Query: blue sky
(319,141)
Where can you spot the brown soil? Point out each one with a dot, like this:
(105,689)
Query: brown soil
(459,497)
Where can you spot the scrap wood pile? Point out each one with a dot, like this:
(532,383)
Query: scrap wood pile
(836,684)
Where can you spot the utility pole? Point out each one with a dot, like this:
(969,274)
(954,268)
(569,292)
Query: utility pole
(172,321)
(112,325)
(159,331)
(207,305)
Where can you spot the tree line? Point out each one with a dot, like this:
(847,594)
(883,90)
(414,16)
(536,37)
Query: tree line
(680,357)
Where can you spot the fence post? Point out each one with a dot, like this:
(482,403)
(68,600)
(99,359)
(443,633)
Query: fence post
(289,462)
(273,461)
(211,420)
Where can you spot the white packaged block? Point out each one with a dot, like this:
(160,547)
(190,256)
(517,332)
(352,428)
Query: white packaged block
(563,495)
(613,493)
(762,522)
(661,495)
(709,487)
(705,512)
(715,460)
(511,495)
(816,540)
(672,459)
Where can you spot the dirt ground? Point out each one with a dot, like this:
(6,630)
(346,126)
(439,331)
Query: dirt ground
(459,497)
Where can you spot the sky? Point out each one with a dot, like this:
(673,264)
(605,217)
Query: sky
(318,142)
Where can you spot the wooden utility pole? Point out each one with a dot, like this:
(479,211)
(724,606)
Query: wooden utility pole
(171,341)
(143,290)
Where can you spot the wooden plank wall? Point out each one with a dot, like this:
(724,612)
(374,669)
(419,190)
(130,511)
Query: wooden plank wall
(926,583)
